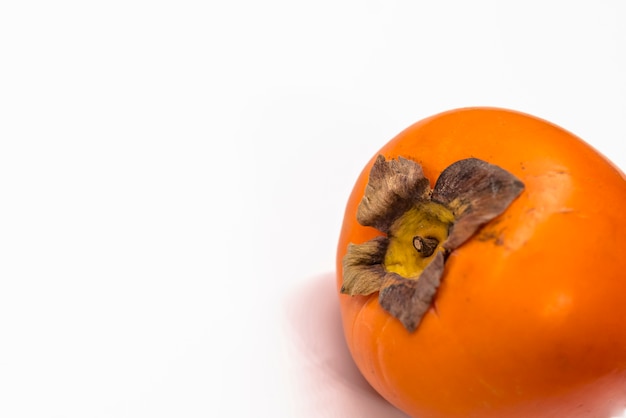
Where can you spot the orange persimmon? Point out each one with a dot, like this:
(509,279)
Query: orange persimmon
(529,319)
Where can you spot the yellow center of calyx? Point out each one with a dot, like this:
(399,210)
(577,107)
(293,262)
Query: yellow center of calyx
(415,238)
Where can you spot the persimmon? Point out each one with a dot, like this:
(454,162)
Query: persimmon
(481,270)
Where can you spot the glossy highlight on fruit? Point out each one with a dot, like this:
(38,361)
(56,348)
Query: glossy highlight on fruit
(529,317)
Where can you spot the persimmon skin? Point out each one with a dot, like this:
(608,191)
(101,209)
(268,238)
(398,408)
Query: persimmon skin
(530,319)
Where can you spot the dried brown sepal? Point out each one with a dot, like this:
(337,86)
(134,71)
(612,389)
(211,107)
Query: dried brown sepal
(393,187)
(363,268)
(408,300)
(476,192)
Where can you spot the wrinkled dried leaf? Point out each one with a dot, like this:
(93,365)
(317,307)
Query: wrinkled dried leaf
(393,187)
(363,268)
(408,300)
(476,192)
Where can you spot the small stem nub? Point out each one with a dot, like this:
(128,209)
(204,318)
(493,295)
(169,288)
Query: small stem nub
(425,246)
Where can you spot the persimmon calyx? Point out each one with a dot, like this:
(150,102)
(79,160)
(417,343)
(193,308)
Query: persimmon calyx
(422,228)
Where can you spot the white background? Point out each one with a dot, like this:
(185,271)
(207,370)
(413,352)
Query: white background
(173,176)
